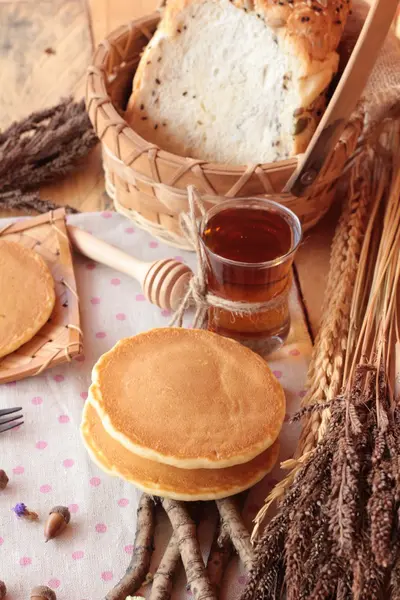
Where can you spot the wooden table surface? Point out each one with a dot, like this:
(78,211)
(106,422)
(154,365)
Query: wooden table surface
(45,48)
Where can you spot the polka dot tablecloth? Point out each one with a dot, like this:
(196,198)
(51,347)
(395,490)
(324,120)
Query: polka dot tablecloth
(48,465)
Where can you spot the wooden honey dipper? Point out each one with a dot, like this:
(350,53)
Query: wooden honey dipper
(164,282)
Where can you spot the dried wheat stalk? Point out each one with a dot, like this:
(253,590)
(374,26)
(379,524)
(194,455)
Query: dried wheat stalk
(336,533)
(325,376)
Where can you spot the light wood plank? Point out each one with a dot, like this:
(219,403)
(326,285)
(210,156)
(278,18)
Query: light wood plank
(107,15)
(45,49)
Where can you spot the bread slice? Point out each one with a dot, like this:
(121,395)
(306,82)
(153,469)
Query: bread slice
(237,82)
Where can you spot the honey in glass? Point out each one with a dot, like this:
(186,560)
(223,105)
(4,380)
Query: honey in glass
(249,248)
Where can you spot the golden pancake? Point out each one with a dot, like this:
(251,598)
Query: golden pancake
(27,295)
(188,398)
(163,480)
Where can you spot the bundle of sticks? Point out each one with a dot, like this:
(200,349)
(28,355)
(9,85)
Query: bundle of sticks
(204,581)
(336,533)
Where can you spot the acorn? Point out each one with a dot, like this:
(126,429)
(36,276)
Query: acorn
(42,592)
(3,590)
(59,517)
(3,479)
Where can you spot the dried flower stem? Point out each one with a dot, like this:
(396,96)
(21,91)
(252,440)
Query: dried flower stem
(143,549)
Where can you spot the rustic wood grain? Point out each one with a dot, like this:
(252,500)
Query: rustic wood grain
(45,48)
(107,15)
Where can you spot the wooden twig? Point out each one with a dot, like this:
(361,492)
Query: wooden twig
(185,531)
(234,525)
(218,559)
(143,549)
(163,577)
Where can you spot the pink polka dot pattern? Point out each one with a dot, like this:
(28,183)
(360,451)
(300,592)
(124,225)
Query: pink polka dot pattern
(57,469)
(106,214)
(278,374)
(123,502)
(18,470)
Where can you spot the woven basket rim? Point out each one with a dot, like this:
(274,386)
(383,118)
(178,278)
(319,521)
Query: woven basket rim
(97,73)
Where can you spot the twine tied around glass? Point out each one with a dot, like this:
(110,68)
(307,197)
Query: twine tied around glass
(198,295)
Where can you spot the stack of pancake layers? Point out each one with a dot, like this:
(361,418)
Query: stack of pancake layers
(184,414)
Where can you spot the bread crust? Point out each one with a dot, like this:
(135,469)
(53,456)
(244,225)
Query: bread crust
(309,30)
(315,26)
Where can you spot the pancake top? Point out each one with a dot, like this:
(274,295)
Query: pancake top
(188,398)
(27,295)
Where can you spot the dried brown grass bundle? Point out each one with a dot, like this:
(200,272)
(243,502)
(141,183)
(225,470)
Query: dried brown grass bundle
(336,533)
(45,145)
(42,148)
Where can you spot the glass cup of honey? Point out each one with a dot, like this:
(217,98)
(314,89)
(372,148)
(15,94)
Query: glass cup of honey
(249,246)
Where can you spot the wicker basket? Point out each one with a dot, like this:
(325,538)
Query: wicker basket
(149,185)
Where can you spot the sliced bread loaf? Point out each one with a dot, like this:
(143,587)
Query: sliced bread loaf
(237,82)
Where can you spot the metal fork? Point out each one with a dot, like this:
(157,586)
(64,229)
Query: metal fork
(10,422)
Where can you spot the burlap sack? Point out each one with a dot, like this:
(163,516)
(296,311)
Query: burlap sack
(381,97)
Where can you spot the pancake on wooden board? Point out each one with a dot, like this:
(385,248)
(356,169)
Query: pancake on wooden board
(163,480)
(27,295)
(188,398)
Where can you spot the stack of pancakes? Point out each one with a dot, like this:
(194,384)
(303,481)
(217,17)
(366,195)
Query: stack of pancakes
(184,414)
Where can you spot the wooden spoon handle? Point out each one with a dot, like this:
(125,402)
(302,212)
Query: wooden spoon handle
(346,96)
(100,251)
